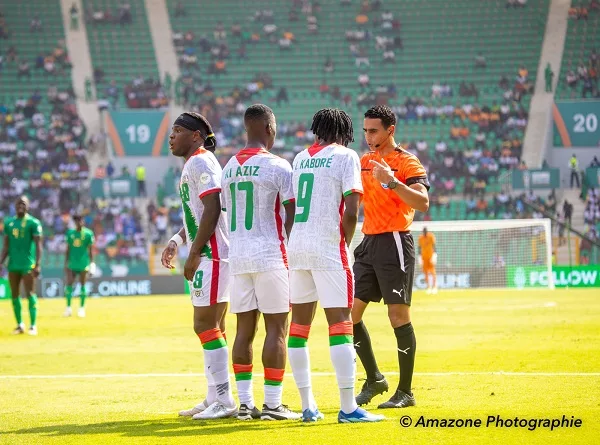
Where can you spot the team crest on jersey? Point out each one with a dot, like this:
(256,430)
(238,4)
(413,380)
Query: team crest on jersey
(204,178)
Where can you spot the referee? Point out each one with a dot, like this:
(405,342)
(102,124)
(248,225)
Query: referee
(395,185)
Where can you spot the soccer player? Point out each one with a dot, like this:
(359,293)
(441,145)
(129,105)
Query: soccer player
(257,187)
(78,262)
(207,266)
(428,259)
(23,248)
(327,188)
(395,185)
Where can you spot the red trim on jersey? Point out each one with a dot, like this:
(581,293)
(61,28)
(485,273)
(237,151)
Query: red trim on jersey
(349,192)
(246,153)
(208,192)
(279,224)
(198,151)
(214,283)
(316,148)
(344,258)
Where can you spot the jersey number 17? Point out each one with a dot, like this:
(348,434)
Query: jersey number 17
(248,188)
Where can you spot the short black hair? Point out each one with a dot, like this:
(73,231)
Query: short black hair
(259,112)
(210,141)
(332,124)
(382,112)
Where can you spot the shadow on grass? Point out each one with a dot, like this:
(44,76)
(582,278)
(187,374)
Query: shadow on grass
(168,427)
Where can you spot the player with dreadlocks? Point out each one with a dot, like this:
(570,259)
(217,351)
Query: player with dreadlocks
(207,266)
(327,189)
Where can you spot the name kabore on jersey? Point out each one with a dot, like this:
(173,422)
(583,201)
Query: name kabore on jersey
(314,163)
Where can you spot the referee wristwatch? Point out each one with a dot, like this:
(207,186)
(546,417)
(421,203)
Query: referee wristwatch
(392,184)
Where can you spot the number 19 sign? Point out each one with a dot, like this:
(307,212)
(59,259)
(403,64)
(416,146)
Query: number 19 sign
(576,123)
(138,133)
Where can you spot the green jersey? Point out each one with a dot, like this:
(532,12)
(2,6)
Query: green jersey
(21,246)
(79,243)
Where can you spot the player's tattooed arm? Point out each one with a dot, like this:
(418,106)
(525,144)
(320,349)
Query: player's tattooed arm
(350,217)
(38,254)
(207,226)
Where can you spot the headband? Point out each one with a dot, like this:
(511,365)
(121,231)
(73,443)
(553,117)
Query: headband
(191,123)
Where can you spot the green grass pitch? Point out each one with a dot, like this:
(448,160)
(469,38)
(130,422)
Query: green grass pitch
(120,375)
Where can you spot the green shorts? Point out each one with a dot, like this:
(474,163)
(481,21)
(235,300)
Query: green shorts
(20,271)
(77,270)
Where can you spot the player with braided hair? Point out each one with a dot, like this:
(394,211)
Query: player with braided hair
(327,189)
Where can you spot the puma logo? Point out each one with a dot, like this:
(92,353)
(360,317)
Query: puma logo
(399,292)
(405,351)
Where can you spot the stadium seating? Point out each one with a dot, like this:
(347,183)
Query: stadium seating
(440,43)
(123,51)
(583,36)
(32,47)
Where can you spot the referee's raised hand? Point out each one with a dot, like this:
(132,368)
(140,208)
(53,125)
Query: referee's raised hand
(381,171)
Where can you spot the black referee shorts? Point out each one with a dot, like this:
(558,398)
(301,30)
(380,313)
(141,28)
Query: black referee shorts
(384,267)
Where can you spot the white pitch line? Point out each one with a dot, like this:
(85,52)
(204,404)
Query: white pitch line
(507,307)
(316,374)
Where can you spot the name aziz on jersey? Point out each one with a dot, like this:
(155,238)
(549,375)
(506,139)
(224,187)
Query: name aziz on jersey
(314,163)
(243,170)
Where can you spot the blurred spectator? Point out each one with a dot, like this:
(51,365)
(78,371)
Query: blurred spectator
(125,17)
(23,69)
(110,169)
(363,80)
(574,168)
(282,96)
(140,176)
(480,61)
(219,31)
(180,10)
(35,25)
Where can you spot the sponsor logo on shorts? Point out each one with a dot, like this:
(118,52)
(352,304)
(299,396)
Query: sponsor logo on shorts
(198,293)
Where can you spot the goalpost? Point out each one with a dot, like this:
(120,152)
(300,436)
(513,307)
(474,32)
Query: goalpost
(510,253)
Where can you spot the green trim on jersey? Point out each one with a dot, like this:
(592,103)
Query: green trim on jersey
(21,234)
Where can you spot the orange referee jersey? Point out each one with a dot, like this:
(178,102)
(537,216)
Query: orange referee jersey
(384,210)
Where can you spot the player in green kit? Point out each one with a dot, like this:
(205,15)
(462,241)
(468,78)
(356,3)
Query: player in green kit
(78,261)
(23,248)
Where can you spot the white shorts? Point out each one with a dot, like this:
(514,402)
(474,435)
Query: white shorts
(210,284)
(269,292)
(331,288)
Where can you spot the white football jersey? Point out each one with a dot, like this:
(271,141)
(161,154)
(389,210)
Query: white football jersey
(256,184)
(322,177)
(201,175)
